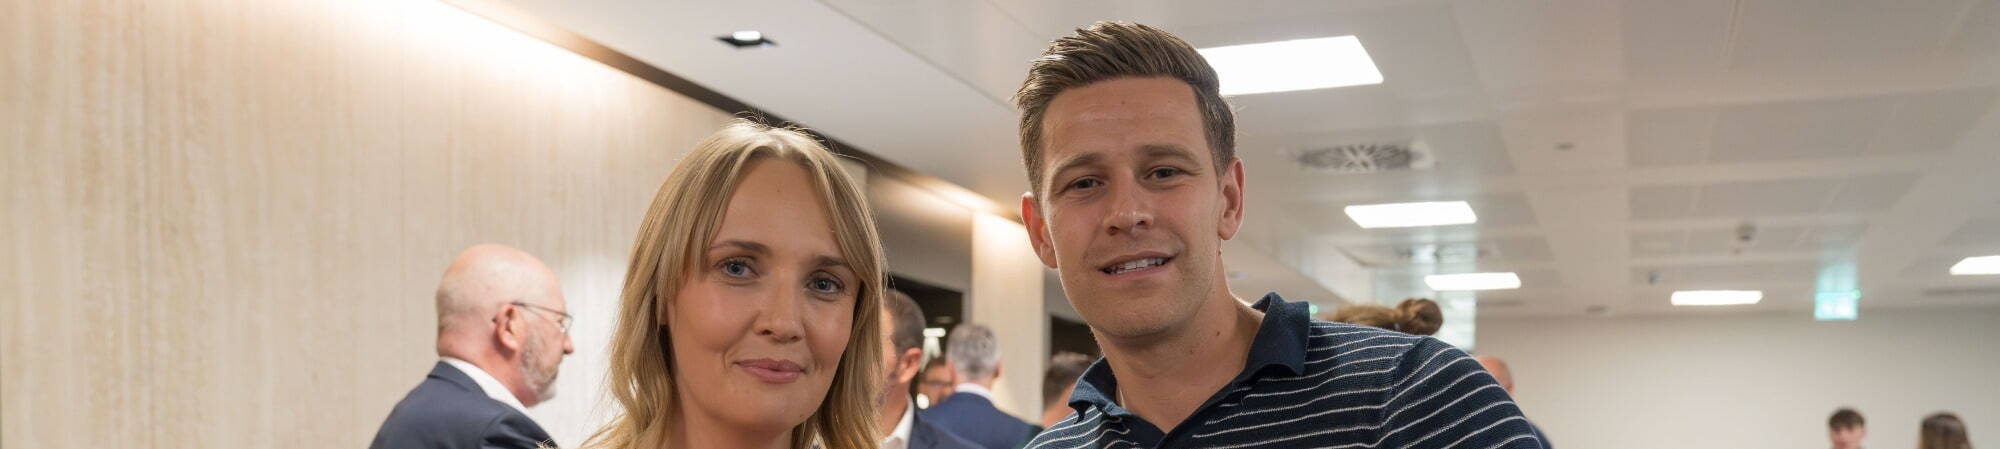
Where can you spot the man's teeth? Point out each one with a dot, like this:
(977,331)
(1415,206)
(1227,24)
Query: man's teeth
(1139,264)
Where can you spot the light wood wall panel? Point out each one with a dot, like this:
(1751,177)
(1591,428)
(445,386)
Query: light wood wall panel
(225,219)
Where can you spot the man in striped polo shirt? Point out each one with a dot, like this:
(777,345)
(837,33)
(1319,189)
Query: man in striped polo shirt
(1134,186)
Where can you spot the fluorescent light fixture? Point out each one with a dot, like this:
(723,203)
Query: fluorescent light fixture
(1404,215)
(747,35)
(1301,64)
(1473,281)
(1717,297)
(1973,266)
(1837,306)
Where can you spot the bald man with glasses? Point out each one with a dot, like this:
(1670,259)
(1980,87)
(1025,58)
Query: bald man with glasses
(503,330)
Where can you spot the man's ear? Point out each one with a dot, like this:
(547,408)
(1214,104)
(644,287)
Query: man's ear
(1232,200)
(907,365)
(503,327)
(1038,229)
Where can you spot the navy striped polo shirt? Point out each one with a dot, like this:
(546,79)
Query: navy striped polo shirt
(1316,384)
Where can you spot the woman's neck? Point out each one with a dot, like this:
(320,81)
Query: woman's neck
(695,429)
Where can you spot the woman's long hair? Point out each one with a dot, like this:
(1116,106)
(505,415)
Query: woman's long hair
(683,219)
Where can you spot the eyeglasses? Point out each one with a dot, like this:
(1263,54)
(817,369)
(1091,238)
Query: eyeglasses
(563,319)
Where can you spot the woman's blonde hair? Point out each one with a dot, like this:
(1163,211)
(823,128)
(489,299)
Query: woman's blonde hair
(684,218)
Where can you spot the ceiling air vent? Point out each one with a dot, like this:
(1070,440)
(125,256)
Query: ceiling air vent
(1366,157)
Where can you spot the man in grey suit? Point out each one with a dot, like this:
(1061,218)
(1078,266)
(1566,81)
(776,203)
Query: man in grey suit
(502,333)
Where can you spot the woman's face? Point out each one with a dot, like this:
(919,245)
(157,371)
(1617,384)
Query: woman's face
(759,326)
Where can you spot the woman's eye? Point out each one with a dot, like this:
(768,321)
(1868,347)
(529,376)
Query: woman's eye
(734,268)
(824,285)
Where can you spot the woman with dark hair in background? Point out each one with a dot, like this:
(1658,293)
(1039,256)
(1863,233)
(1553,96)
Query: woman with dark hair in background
(1414,316)
(1943,430)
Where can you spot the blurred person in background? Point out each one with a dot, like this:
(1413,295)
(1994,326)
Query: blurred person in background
(503,329)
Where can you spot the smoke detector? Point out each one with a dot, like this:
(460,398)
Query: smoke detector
(1374,157)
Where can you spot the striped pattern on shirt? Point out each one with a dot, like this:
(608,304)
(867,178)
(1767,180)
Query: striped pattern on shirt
(1359,387)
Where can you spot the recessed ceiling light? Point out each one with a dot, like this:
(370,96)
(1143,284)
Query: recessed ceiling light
(1473,281)
(1300,64)
(1972,266)
(746,39)
(1403,215)
(1717,297)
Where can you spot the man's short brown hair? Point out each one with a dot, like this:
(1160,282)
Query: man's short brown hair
(1064,368)
(1108,50)
(1845,418)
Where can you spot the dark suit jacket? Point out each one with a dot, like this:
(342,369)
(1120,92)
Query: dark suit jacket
(449,411)
(974,418)
(924,435)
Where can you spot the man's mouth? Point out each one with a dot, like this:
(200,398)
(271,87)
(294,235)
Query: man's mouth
(1135,265)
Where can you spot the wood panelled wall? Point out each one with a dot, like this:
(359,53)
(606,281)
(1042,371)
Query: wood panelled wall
(225,218)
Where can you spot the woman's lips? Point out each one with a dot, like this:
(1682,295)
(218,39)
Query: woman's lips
(772,371)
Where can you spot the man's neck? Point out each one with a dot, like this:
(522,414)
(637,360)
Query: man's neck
(891,413)
(1156,374)
(982,387)
(496,367)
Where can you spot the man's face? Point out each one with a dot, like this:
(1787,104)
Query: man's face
(543,349)
(937,383)
(899,368)
(1132,211)
(1848,437)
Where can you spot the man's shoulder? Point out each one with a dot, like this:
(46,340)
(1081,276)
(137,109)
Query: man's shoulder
(1075,431)
(1342,347)
(440,409)
(924,435)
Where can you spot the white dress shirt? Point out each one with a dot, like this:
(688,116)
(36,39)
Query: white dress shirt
(488,383)
(900,438)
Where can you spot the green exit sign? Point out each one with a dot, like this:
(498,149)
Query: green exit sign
(1836,306)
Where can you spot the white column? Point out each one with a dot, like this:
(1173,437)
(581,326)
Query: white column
(1007,296)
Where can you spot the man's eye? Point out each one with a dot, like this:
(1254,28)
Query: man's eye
(1164,172)
(1084,183)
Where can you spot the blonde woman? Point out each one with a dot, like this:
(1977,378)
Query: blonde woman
(749,317)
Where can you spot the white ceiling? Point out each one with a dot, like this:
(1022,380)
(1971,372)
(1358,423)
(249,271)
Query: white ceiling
(1861,138)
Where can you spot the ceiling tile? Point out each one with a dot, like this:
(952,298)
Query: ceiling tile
(1676,38)
(1977,237)
(1728,276)
(1763,198)
(1931,122)
(1658,244)
(1673,136)
(1807,34)
(1798,130)
(1653,202)
(1871,193)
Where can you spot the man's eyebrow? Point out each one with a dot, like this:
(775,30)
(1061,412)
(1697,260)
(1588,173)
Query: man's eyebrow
(1166,151)
(1076,161)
